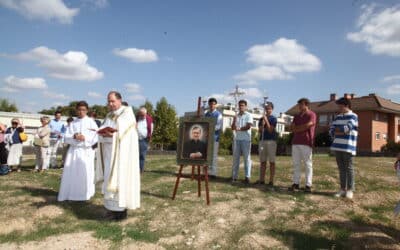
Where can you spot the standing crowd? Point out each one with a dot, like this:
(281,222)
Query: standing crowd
(114,151)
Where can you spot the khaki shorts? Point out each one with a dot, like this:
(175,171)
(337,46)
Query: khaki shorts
(267,151)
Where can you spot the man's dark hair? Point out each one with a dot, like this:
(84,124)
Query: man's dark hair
(243,101)
(116,94)
(344,101)
(82,104)
(124,103)
(305,101)
(70,119)
(57,112)
(92,114)
(269,104)
(212,99)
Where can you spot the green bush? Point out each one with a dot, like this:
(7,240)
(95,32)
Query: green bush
(391,147)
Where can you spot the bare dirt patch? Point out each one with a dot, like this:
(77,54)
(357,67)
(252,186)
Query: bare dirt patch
(256,241)
(82,240)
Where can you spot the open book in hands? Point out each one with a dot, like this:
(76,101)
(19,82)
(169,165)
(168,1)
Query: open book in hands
(106,130)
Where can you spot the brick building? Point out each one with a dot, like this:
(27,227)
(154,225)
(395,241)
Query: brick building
(378,119)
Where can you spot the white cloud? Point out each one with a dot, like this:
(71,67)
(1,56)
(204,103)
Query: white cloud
(391,78)
(95,94)
(8,89)
(394,89)
(25,83)
(262,73)
(137,97)
(137,55)
(133,87)
(379,29)
(54,95)
(287,54)
(43,10)
(277,61)
(69,66)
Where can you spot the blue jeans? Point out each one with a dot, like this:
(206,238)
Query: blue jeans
(241,147)
(143,145)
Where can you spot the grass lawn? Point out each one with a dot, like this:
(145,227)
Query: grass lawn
(240,216)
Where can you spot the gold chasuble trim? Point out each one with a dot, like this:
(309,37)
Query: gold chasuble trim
(112,185)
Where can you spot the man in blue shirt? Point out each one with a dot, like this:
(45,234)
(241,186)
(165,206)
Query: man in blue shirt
(56,134)
(213,112)
(267,145)
(241,125)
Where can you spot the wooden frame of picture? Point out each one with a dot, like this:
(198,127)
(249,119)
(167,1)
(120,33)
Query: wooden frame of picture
(195,141)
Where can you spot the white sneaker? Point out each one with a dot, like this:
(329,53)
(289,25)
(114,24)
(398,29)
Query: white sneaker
(349,194)
(341,193)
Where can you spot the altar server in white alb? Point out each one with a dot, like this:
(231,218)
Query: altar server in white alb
(118,159)
(77,183)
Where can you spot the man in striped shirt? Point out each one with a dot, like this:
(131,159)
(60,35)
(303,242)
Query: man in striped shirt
(344,130)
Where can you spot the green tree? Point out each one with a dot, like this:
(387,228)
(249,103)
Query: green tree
(225,142)
(150,109)
(6,106)
(165,125)
(101,110)
(70,110)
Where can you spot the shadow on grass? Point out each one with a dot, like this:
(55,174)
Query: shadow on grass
(161,196)
(331,234)
(369,231)
(301,240)
(81,209)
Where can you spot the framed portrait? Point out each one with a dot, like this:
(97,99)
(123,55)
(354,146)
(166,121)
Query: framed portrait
(195,141)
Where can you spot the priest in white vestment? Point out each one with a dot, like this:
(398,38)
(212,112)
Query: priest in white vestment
(118,159)
(77,182)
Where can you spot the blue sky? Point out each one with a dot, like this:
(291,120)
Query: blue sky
(56,51)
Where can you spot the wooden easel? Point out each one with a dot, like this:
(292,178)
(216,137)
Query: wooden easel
(198,177)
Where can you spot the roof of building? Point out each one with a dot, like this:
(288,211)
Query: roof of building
(363,103)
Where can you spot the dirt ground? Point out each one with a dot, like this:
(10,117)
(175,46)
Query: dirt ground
(240,216)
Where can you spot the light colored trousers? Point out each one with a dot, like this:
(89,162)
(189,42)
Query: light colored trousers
(213,167)
(54,144)
(302,154)
(42,157)
(241,147)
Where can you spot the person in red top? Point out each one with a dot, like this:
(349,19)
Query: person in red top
(303,128)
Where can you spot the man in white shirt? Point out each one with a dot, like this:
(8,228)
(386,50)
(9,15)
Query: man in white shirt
(242,124)
(145,130)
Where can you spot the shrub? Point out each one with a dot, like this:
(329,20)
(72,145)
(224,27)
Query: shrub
(391,147)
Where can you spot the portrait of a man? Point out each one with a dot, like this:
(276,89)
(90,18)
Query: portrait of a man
(195,143)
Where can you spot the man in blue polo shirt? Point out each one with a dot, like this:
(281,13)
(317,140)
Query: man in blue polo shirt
(56,134)
(267,145)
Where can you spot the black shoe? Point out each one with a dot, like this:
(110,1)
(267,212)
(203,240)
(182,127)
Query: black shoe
(259,182)
(271,184)
(120,215)
(307,189)
(294,187)
(246,180)
(109,216)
